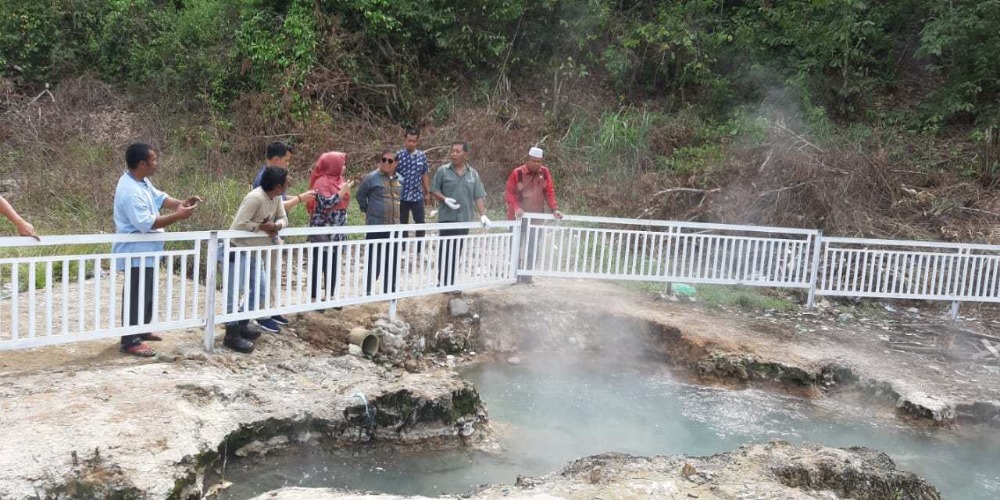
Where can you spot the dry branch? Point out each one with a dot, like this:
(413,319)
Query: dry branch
(982,336)
(685,190)
(987,212)
(799,137)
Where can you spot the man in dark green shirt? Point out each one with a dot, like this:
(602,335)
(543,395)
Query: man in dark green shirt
(458,187)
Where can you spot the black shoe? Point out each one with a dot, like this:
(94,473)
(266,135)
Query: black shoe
(249,332)
(268,325)
(279,319)
(238,344)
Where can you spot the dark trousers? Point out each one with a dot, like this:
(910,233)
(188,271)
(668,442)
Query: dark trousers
(383,260)
(130,301)
(324,264)
(448,256)
(417,209)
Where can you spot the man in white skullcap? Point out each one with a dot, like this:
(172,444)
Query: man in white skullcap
(530,189)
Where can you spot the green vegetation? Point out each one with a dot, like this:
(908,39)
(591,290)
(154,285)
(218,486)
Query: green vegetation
(804,112)
(840,54)
(745,298)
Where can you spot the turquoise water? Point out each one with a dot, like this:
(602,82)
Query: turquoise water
(549,412)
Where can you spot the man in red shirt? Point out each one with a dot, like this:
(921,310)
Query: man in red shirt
(529,189)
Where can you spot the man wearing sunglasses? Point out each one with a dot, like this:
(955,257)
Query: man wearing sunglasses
(378,197)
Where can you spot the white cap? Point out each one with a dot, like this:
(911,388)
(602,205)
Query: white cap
(535,152)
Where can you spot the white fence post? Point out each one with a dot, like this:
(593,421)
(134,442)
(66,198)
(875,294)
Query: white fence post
(961,284)
(211,263)
(392,274)
(515,242)
(814,274)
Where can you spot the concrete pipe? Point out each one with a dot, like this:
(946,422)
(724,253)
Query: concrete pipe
(368,342)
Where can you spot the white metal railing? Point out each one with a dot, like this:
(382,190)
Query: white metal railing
(67,288)
(76,293)
(910,270)
(301,282)
(668,251)
(607,248)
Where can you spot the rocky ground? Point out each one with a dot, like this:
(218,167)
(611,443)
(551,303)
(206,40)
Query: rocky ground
(105,425)
(772,470)
(83,421)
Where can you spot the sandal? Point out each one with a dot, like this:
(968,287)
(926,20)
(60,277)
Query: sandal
(141,350)
(152,337)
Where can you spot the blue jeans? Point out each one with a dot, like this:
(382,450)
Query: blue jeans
(239,273)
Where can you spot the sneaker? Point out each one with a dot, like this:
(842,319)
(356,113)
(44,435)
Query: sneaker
(269,325)
(238,344)
(279,319)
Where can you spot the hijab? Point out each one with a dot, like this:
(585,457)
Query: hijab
(328,179)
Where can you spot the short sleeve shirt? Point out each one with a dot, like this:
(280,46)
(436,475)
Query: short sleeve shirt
(465,189)
(411,168)
(137,204)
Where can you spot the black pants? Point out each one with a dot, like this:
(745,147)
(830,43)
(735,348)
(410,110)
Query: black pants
(382,256)
(449,250)
(324,262)
(130,300)
(417,209)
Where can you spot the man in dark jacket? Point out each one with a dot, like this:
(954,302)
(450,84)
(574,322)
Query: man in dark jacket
(378,197)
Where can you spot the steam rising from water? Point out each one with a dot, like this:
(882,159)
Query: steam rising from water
(552,411)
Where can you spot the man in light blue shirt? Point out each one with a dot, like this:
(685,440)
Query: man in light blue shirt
(137,211)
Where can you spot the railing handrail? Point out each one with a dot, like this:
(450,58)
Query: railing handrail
(680,224)
(166,236)
(910,243)
(104,238)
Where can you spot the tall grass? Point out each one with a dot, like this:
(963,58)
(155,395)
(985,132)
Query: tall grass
(616,143)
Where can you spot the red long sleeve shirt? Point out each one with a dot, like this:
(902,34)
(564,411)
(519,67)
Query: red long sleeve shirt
(530,192)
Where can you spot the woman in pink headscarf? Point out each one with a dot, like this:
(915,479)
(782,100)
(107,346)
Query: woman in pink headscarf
(333,195)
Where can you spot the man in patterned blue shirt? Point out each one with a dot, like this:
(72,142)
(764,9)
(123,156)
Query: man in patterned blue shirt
(412,169)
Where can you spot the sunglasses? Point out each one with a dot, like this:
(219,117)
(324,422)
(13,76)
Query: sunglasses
(388,160)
